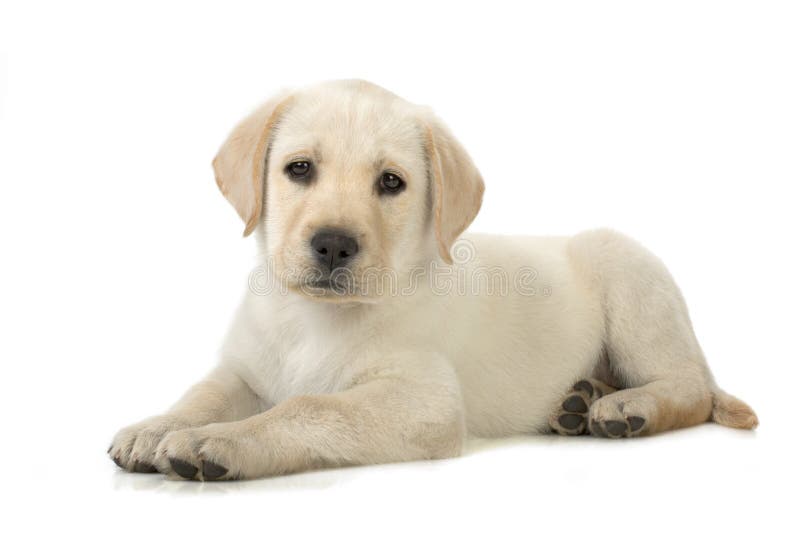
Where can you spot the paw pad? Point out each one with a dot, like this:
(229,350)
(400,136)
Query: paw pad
(575,404)
(615,428)
(184,469)
(636,423)
(584,385)
(571,421)
(143,467)
(609,429)
(212,471)
(570,418)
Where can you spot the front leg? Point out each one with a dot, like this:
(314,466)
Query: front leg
(222,396)
(385,416)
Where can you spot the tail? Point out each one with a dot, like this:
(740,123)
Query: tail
(729,411)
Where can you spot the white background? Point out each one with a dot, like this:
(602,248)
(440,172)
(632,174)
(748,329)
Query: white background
(677,123)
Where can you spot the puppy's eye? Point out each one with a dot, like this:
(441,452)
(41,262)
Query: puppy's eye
(299,170)
(391,183)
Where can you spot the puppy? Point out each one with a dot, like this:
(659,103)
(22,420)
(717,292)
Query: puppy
(370,334)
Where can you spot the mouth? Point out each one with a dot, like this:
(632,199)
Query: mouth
(328,283)
(335,284)
(341,289)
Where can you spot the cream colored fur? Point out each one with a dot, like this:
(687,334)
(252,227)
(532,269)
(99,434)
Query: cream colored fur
(313,378)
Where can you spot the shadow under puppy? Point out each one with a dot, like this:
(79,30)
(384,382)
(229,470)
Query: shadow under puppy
(374,336)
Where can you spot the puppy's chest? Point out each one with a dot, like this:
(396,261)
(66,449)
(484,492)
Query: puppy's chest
(300,365)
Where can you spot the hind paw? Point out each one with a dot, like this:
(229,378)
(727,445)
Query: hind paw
(571,416)
(614,417)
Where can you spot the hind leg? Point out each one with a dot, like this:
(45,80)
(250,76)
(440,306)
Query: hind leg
(651,345)
(570,418)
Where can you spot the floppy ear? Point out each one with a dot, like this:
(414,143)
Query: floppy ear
(240,163)
(457,185)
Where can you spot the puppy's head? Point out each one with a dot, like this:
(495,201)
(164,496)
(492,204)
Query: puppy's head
(347,181)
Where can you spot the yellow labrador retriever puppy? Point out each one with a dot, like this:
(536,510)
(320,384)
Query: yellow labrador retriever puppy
(371,334)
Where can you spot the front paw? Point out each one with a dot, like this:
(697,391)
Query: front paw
(205,453)
(134,447)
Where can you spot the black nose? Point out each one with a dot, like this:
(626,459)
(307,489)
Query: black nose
(333,249)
